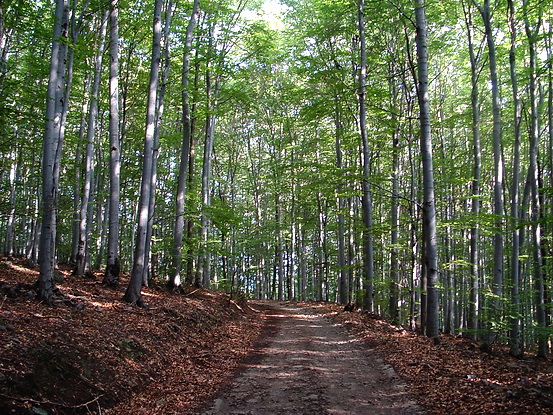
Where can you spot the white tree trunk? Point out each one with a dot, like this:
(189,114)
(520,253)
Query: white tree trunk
(175,277)
(133,293)
(515,340)
(474,300)
(52,143)
(89,154)
(160,107)
(543,344)
(498,173)
(368,264)
(113,266)
(430,251)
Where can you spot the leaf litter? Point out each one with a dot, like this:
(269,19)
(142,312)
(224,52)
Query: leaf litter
(93,353)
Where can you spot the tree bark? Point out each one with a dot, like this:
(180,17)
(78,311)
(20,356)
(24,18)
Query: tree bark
(430,252)
(160,108)
(368,261)
(52,143)
(474,300)
(343,286)
(77,175)
(497,286)
(15,169)
(514,338)
(89,155)
(113,266)
(133,293)
(175,277)
(543,344)
(279,248)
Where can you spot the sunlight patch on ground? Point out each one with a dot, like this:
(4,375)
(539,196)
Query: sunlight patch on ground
(20,268)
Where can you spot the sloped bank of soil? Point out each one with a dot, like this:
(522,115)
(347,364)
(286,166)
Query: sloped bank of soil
(93,353)
(454,376)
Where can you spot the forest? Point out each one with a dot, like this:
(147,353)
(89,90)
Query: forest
(396,155)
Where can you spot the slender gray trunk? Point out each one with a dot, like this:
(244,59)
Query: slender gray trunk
(514,340)
(77,176)
(497,286)
(474,300)
(430,251)
(113,266)
(160,107)
(321,237)
(14,179)
(52,143)
(175,277)
(543,346)
(394,254)
(89,155)
(292,258)
(212,90)
(368,261)
(280,248)
(343,286)
(133,293)
(550,118)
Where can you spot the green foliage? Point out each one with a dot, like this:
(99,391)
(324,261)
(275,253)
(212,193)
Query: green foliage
(286,92)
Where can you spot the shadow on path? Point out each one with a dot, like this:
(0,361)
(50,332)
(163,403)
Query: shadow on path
(308,365)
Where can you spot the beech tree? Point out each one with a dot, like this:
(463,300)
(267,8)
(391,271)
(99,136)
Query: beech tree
(133,292)
(430,252)
(367,198)
(53,140)
(113,266)
(291,153)
(175,278)
(499,178)
(89,154)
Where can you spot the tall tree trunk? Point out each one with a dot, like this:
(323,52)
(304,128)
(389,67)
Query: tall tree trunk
(474,300)
(430,252)
(543,346)
(321,243)
(160,107)
(133,293)
(175,278)
(9,248)
(343,287)
(113,266)
(514,340)
(77,175)
(292,258)
(394,257)
(203,277)
(89,155)
(90,218)
(497,286)
(53,136)
(190,228)
(368,261)
(279,248)
(550,141)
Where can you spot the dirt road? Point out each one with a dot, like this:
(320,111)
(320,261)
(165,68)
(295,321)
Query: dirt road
(310,366)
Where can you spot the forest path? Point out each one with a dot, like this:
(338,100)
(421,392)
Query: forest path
(309,365)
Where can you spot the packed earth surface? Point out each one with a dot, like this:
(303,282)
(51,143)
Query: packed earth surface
(201,352)
(310,365)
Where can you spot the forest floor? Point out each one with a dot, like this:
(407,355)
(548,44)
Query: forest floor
(91,353)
